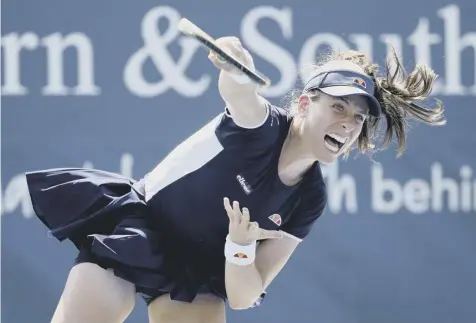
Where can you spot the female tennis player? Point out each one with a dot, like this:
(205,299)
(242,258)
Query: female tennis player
(220,216)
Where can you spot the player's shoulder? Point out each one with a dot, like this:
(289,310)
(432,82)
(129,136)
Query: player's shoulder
(272,112)
(277,111)
(276,117)
(272,129)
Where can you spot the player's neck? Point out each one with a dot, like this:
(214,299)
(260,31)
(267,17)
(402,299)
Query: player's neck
(294,160)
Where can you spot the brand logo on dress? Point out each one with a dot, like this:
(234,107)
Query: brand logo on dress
(276,218)
(244,184)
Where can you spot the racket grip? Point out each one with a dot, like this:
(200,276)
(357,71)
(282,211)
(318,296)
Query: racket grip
(239,77)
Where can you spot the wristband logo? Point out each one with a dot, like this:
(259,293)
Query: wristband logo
(240,255)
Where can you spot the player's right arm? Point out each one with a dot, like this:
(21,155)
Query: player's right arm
(246,107)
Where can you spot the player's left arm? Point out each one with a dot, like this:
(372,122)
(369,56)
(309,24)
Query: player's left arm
(245,284)
(272,256)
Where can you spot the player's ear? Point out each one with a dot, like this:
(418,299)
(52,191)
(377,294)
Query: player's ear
(304,102)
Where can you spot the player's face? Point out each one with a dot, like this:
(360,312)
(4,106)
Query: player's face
(332,124)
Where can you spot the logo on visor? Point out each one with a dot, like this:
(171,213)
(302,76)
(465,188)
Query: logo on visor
(360,82)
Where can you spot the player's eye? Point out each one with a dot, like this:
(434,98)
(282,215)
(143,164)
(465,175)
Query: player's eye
(338,107)
(360,118)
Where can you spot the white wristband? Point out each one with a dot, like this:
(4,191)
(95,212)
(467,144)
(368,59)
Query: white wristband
(238,254)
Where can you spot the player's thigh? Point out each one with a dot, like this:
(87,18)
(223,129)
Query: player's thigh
(94,295)
(206,308)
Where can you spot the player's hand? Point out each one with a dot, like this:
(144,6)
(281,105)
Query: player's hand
(241,230)
(233,47)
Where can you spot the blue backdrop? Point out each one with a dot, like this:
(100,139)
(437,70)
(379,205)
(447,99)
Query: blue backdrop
(112,85)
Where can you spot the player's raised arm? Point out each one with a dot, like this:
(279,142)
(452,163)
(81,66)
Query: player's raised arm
(244,104)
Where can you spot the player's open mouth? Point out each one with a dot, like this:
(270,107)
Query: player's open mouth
(334,142)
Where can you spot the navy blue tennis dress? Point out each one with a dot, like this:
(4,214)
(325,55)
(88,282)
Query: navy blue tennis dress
(166,232)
